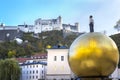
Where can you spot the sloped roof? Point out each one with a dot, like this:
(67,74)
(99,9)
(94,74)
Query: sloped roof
(21,60)
(39,56)
(32,63)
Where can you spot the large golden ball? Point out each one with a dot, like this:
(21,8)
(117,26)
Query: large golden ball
(93,54)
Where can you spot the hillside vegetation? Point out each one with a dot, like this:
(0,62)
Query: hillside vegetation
(33,45)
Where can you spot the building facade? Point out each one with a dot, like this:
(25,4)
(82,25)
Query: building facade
(33,68)
(42,25)
(26,28)
(71,28)
(57,65)
(54,24)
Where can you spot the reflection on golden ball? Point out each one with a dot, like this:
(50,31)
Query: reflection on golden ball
(93,54)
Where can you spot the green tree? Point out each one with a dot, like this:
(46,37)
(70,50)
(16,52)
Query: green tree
(9,70)
(37,44)
(69,39)
(28,49)
(116,39)
(20,51)
(11,53)
(3,52)
(117,26)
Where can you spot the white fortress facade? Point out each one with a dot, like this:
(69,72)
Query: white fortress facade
(47,25)
(43,25)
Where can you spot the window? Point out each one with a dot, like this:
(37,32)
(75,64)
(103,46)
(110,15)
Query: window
(33,77)
(55,58)
(36,71)
(42,71)
(36,65)
(36,77)
(62,58)
(33,72)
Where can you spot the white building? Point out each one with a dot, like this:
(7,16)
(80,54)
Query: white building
(71,28)
(26,28)
(54,24)
(43,25)
(47,25)
(33,68)
(57,65)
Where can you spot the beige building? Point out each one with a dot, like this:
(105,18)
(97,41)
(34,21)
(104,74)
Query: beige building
(57,65)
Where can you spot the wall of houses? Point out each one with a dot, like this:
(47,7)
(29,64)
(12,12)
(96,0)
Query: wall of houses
(33,70)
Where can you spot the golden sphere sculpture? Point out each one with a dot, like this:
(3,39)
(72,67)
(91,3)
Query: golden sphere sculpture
(93,54)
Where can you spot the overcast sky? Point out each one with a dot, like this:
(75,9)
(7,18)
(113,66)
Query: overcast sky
(105,12)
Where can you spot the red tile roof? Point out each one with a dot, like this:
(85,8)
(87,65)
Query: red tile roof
(35,56)
(40,55)
(21,60)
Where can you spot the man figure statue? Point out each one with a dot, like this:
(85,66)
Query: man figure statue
(91,24)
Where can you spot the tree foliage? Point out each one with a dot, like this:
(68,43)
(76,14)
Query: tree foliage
(117,26)
(32,44)
(116,39)
(11,54)
(9,70)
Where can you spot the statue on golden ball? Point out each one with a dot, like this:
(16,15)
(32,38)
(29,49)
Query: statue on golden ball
(93,55)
